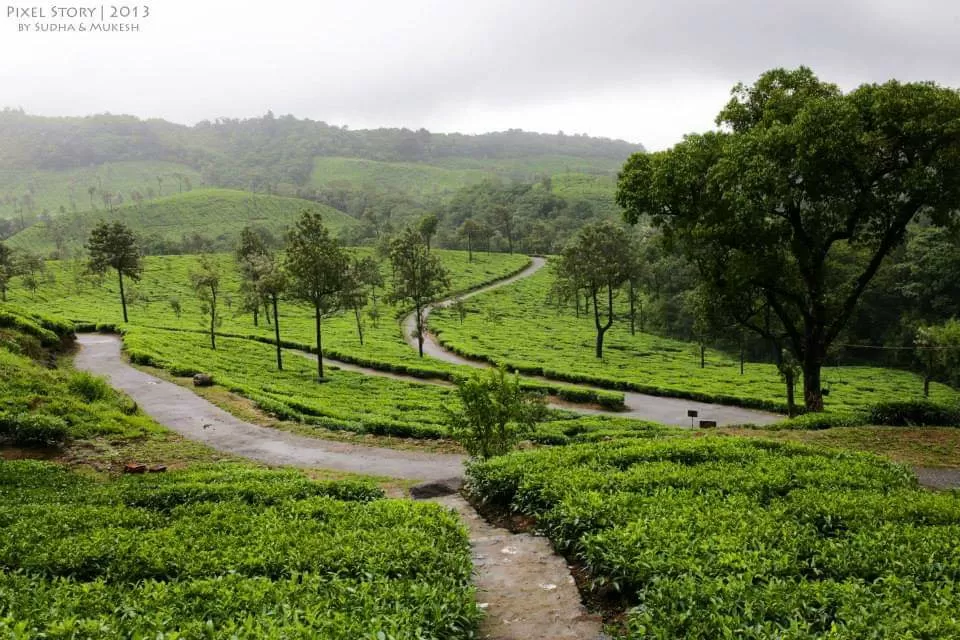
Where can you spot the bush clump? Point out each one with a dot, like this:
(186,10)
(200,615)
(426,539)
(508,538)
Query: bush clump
(916,413)
(33,429)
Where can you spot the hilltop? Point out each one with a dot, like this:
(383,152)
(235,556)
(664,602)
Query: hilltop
(166,224)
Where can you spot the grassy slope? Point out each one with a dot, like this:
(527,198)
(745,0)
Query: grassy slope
(213,213)
(533,335)
(439,178)
(53,189)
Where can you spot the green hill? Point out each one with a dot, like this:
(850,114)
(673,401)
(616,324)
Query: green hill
(35,191)
(217,215)
(422,181)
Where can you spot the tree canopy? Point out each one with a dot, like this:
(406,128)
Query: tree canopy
(789,210)
(112,245)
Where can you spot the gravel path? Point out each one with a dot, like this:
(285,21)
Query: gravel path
(641,406)
(190,415)
(935,478)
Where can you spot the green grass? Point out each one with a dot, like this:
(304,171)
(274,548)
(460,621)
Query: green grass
(517,325)
(53,189)
(723,538)
(42,406)
(225,551)
(217,214)
(441,178)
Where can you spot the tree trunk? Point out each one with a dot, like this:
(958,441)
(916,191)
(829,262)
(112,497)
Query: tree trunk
(633,309)
(812,389)
(791,402)
(276,332)
(266,312)
(741,357)
(123,297)
(926,386)
(213,320)
(469,249)
(256,316)
(356,313)
(316,310)
(703,356)
(3,293)
(602,328)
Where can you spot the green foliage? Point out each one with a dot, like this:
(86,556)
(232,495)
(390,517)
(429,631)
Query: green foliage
(536,337)
(206,284)
(113,246)
(938,349)
(40,406)
(595,261)
(495,414)
(722,538)
(33,429)
(913,413)
(418,275)
(791,209)
(191,222)
(226,551)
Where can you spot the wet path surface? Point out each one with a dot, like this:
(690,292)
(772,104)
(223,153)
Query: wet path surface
(190,415)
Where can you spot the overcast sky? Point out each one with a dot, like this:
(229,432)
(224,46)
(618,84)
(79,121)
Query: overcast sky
(639,70)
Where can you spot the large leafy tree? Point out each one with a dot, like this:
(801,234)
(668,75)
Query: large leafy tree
(794,204)
(418,275)
(597,261)
(112,245)
(317,267)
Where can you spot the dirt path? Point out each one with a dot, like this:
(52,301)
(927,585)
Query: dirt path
(192,416)
(527,588)
(641,406)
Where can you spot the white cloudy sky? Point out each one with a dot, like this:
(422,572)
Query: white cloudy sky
(645,71)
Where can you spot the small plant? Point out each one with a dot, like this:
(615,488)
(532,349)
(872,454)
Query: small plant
(88,386)
(496,414)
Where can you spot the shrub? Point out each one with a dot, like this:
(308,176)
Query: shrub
(913,413)
(89,387)
(33,429)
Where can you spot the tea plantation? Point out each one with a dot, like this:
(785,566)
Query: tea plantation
(715,538)
(225,552)
(519,325)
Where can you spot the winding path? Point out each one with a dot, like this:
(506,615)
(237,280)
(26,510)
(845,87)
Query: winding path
(525,588)
(672,411)
(190,415)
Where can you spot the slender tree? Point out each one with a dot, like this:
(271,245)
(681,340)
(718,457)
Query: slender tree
(362,279)
(418,276)
(595,262)
(271,284)
(112,245)
(802,195)
(206,283)
(470,230)
(250,248)
(317,268)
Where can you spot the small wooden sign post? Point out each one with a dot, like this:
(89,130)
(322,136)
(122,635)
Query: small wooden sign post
(692,414)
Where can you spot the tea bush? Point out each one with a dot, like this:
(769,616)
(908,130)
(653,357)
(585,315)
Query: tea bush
(721,538)
(225,551)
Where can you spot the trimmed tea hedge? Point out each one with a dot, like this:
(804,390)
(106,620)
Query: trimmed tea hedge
(225,551)
(720,538)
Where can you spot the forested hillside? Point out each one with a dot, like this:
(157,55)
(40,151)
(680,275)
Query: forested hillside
(388,177)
